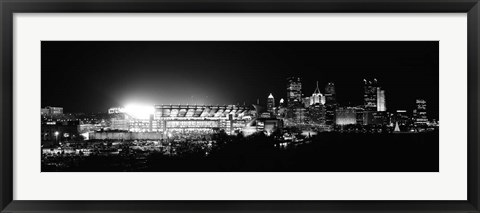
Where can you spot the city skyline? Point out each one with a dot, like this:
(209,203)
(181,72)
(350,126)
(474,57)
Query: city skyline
(272,102)
(239,106)
(112,88)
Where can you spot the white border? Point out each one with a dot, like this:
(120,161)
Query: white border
(449,184)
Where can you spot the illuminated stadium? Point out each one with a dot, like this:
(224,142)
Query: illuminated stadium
(184,118)
(163,112)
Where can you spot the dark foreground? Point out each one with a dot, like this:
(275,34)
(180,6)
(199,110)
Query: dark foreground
(326,152)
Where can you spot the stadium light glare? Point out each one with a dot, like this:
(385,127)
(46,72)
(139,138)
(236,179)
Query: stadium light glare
(139,111)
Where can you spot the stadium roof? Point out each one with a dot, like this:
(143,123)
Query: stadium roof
(199,110)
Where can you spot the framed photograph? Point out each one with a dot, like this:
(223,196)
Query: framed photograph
(254,106)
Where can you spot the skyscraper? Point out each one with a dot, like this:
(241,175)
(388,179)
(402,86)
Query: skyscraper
(282,108)
(316,114)
(381,102)
(420,112)
(330,103)
(317,97)
(271,104)
(300,115)
(330,95)
(306,101)
(294,92)
(282,103)
(370,95)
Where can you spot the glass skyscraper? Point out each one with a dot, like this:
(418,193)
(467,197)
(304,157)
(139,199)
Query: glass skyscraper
(370,95)
(381,102)
(330,103)
(294,92)
(271,104)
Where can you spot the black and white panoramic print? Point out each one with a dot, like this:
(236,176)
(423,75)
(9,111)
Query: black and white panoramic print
(240,106)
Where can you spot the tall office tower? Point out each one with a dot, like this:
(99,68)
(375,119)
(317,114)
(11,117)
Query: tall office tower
(381,102)
(330,103)
(300,115)
(281,103)
(330,94)
(294,92)
(271,104)
(420,112)
(282,108)
(370,95)
(306,102)
(316,114)
(317,97)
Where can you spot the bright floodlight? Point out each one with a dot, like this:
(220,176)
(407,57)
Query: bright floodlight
(56,133)
(139,111)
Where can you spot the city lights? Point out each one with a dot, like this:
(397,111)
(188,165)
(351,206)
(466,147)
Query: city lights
(139,111)
(239,106)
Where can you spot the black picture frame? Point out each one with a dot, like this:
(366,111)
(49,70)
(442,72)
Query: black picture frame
(9,7)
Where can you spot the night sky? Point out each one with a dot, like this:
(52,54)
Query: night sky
(92,76)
